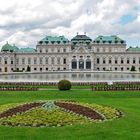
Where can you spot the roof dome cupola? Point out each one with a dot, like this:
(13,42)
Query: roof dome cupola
(81,39)
(9,48)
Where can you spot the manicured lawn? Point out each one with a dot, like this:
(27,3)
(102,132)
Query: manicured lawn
(126,128)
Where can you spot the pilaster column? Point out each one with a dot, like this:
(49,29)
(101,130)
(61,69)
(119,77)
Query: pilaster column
(77,64)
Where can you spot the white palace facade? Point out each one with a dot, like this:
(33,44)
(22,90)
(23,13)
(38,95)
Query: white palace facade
(81,53)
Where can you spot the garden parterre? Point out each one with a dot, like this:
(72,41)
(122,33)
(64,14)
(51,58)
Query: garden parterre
(55,113)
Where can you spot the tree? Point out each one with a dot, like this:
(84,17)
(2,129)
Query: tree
(133,68)
(28,68)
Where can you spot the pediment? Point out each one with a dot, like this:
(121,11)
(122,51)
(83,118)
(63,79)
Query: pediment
(81,50)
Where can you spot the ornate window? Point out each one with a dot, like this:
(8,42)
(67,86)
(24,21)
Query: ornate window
(35,61)
(104,61)
(64,61)
(134,60)
(53,60)
(116,60)
(88,64)
(5,60)
(122,60)
(110,61)
(128,60)
(46,60)
(41,60)
(74,64)
(98,60)
(58,60)
(29,61)
(23,61)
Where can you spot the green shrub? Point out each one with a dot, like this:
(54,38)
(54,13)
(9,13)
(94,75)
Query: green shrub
(28,68)
(133,68)
(64,85)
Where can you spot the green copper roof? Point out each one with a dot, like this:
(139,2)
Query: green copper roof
(81,39)
(27,50)
(109,40)
(10,48)
(130,49)
(54,40)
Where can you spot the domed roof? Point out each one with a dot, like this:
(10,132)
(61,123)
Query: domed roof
(9,48)
(81,37)
(15,48)
(54,40)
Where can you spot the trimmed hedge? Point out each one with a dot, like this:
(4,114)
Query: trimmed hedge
(64,85)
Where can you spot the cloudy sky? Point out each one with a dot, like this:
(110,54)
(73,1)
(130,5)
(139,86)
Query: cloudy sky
(24,22)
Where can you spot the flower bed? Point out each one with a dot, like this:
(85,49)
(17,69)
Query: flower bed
(81,110)
(55,113)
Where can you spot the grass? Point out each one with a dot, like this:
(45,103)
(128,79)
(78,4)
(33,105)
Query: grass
(126,128)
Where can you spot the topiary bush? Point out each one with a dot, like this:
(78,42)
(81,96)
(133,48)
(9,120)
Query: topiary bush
(133,68)
(64,85)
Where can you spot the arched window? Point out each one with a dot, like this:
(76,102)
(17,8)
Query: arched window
(74,64)
(88,64)
(81,64)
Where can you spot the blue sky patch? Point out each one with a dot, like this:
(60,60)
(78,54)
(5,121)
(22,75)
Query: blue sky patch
(127,19)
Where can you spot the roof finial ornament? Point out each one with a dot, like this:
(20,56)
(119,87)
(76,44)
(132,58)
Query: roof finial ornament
(6,42)
(77,33)
(84,33)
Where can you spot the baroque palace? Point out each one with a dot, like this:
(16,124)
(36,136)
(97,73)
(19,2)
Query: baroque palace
(81,53)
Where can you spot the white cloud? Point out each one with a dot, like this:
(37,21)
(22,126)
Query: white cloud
(23,22)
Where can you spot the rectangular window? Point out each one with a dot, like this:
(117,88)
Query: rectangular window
(98,60)
(110,61)
(128,61)
(41,61)
(64,61)
(58,61)
(122,61)
(35,61)
(116,61)
(103,61)
(52,60)
(5,60)
(134,61)
(17,61)
(23,61)
(29,61)
(46,60)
